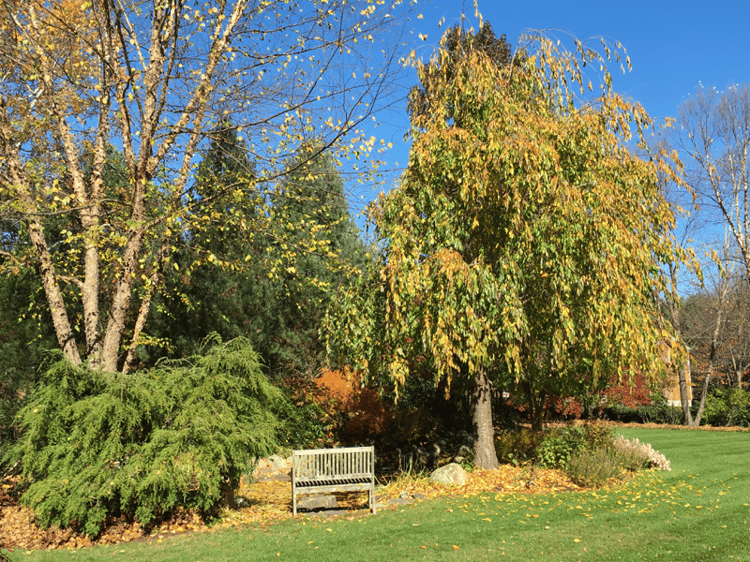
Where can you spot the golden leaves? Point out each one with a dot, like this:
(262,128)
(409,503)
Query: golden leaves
(524,230)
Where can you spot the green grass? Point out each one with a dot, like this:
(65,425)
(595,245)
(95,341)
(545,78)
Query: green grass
(699,511)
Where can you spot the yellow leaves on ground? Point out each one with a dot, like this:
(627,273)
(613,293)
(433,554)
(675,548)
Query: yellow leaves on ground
(269,503)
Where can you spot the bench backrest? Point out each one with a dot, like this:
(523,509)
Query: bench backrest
(353,462)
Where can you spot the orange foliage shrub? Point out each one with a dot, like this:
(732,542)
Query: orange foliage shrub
(340,386)
(628,395)
(365,413)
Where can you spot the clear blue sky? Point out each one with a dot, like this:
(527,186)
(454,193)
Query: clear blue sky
(673,46)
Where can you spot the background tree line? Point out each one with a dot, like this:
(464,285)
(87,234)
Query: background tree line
(712,134)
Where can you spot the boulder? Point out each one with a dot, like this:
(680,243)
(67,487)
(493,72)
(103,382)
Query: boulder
(464,451)
(317,502)
(241,502)
(271,475)
(450,475)
(279,464)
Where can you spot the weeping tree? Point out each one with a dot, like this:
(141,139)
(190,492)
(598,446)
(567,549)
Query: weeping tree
(524,245)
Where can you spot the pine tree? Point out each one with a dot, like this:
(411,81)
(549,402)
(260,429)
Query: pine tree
(299,244)
(315,251)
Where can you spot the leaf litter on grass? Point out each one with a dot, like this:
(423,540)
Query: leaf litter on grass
(269,502)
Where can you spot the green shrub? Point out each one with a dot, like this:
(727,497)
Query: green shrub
(727,407)
(597,459)
(597,436)
(551,449)
(518,446)
(99,445)
(604,456)
(558,446)
(660,412)
(309,418)
(592,468)
(589,455)
(657,412)
(621,413)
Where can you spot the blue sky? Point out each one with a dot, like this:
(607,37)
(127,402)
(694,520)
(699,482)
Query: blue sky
(673,46)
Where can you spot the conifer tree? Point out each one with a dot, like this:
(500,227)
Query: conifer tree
(310,206)
(298,246)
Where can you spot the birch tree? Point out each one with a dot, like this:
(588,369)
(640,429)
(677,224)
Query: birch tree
(713,134)
(150,79)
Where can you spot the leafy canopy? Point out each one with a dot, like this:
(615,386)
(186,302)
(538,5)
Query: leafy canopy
(155,79)
(526,240)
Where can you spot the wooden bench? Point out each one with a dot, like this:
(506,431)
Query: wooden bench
(348,469)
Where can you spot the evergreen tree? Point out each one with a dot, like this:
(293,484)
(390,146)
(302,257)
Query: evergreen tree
(296,247)
(316,248)
(207,291)
(25,337)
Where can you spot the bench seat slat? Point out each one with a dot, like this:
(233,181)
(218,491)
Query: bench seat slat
(332,481)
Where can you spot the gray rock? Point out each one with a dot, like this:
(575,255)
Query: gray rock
(398,501)
(241,502)
(450,475)
(269,474)
(278,463)
(330,513)
(317,502)
(464,451)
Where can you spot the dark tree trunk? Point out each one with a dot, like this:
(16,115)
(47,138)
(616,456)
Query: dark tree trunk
(227,494)
(535,406)
(713,350)
(682,370)
(485,455)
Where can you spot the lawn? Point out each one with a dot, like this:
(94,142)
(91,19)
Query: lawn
(698,511)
